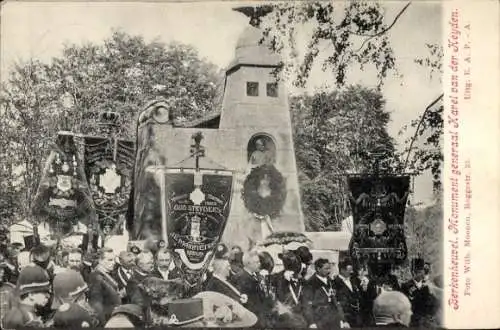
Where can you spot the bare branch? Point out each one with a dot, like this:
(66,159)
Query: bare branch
(418,127)
(371,36)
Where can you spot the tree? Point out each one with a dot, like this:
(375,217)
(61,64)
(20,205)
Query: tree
(344,36)
(126,72)
(28,112)
(334,134)
(424,233)
(122,74)
(9,195)
(341,35)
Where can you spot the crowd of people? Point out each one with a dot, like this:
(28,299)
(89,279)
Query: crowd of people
(113,289)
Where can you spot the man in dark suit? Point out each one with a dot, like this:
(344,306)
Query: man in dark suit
(135,291)
(321,308)
(288,288)
(104,294)
(368,294)
(218,281)
(165,267)
(423,303)
(89,262)
(383,277)
(248,282)
(123,271)
(348,293)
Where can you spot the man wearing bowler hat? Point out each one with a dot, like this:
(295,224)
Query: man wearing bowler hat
(417,290)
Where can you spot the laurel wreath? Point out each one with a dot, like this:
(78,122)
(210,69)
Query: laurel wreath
(271,205)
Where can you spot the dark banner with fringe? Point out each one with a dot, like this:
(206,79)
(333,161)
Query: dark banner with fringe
(108,167)
(378,206)
(197,208)
(63,197)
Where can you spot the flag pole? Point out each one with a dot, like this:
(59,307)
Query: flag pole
(161,173)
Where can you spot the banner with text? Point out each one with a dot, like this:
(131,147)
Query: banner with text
(197,208)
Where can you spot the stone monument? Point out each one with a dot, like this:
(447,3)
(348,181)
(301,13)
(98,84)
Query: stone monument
(251,136)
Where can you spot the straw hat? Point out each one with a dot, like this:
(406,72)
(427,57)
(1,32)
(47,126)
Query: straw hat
(220,311)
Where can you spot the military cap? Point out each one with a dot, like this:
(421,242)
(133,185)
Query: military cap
(33,279)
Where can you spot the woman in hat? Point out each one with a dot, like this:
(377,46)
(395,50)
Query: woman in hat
(235,258)
(221,252)
(305,256)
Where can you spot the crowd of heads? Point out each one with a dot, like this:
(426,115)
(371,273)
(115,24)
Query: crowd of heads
(47,280)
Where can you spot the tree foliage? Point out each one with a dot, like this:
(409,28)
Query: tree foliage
(424,233)
(342,35)
(121,74)
(336,133)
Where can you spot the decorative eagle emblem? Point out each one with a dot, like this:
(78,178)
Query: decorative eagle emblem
(255,13)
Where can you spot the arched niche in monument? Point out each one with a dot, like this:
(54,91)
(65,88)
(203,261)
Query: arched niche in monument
(261,150)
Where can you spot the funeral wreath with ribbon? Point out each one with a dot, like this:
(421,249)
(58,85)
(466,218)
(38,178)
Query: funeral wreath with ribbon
(264,191)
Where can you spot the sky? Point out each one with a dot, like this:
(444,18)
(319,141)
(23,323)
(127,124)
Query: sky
(40,30)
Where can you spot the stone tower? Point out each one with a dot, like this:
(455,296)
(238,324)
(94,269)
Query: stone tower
(255,108)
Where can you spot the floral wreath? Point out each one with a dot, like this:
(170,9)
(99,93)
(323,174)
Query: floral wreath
(270,205)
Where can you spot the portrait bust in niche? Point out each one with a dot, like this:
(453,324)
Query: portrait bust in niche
(261,151)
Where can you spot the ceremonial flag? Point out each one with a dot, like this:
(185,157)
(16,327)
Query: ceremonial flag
(108,166)
(195,209)
(63,194)
(378,205)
